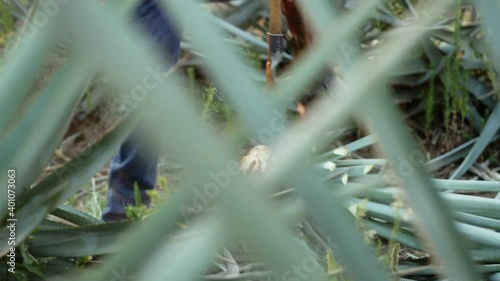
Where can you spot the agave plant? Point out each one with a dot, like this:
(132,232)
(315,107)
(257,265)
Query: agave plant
(295,217)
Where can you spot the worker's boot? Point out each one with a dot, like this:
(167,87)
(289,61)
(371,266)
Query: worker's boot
(135,163)
(138,157)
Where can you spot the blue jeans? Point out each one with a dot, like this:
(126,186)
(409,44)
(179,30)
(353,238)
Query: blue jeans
(137,158)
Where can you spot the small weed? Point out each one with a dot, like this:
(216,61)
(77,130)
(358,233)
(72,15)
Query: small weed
(94,204)
(83,261)
(163,184)
(448,89)
(430,101)
(252,58)
(397,8)
(91,199)
(492,76)
(6,23)
(139,211)
(28,267)
(333,266)
(454,96)
(214,111)
(394,247)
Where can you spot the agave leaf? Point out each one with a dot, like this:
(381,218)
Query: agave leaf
(57,267)
(211,153)
(479,235)
(254,275)
(486,255)
(419,187)
(484,237)
(387,213)
(486,137)
(369,185)
(63,183)
(77,241)
(234,86)
(480,91)
(344,151)
(257,43)
(451,156)
(47,224)
(355,162)
(75,216)
(473,116)
(385,230)
(20,10)
(309,66)
(490,20)
(161,223)
(486,207)
(248,214)
(410,67)
(351,172)
(204,237)
(20,70)
(282,269)
(472,64)
(41,130)
(468,185)
(480,221)
(458,261)
(341,230)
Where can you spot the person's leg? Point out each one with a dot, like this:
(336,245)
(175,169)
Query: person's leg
(137,158)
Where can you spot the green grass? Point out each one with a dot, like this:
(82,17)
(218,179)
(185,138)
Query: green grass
(430,101)
(6,23)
